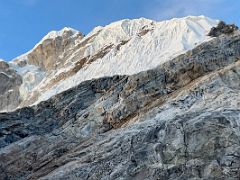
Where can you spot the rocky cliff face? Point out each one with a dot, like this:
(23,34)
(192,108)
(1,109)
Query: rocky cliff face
(10,82)
(51,52)
(43,62)
(179,120)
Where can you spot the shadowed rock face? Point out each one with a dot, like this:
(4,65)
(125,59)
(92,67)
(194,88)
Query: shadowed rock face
(9,85)
(222,28)
(177,121)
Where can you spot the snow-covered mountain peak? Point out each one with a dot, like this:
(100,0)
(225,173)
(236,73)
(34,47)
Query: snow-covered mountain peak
(137,45)
(128,26)
(132,26)
(126,29)
(115,33)
(63,59)
(65,31)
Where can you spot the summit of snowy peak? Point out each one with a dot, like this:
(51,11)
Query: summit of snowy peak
(54,34)
(49,53)
(195,18)
(125,27)
(203,21)
(129,26)
(133,23)
(66,31)
(115,33)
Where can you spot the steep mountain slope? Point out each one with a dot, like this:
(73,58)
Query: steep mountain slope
(146,46)
(63,59)
(179,120)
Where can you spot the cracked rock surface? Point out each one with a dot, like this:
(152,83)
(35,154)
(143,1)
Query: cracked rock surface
(177,121)
(10,81)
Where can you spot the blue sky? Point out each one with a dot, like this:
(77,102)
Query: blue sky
(24,22)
